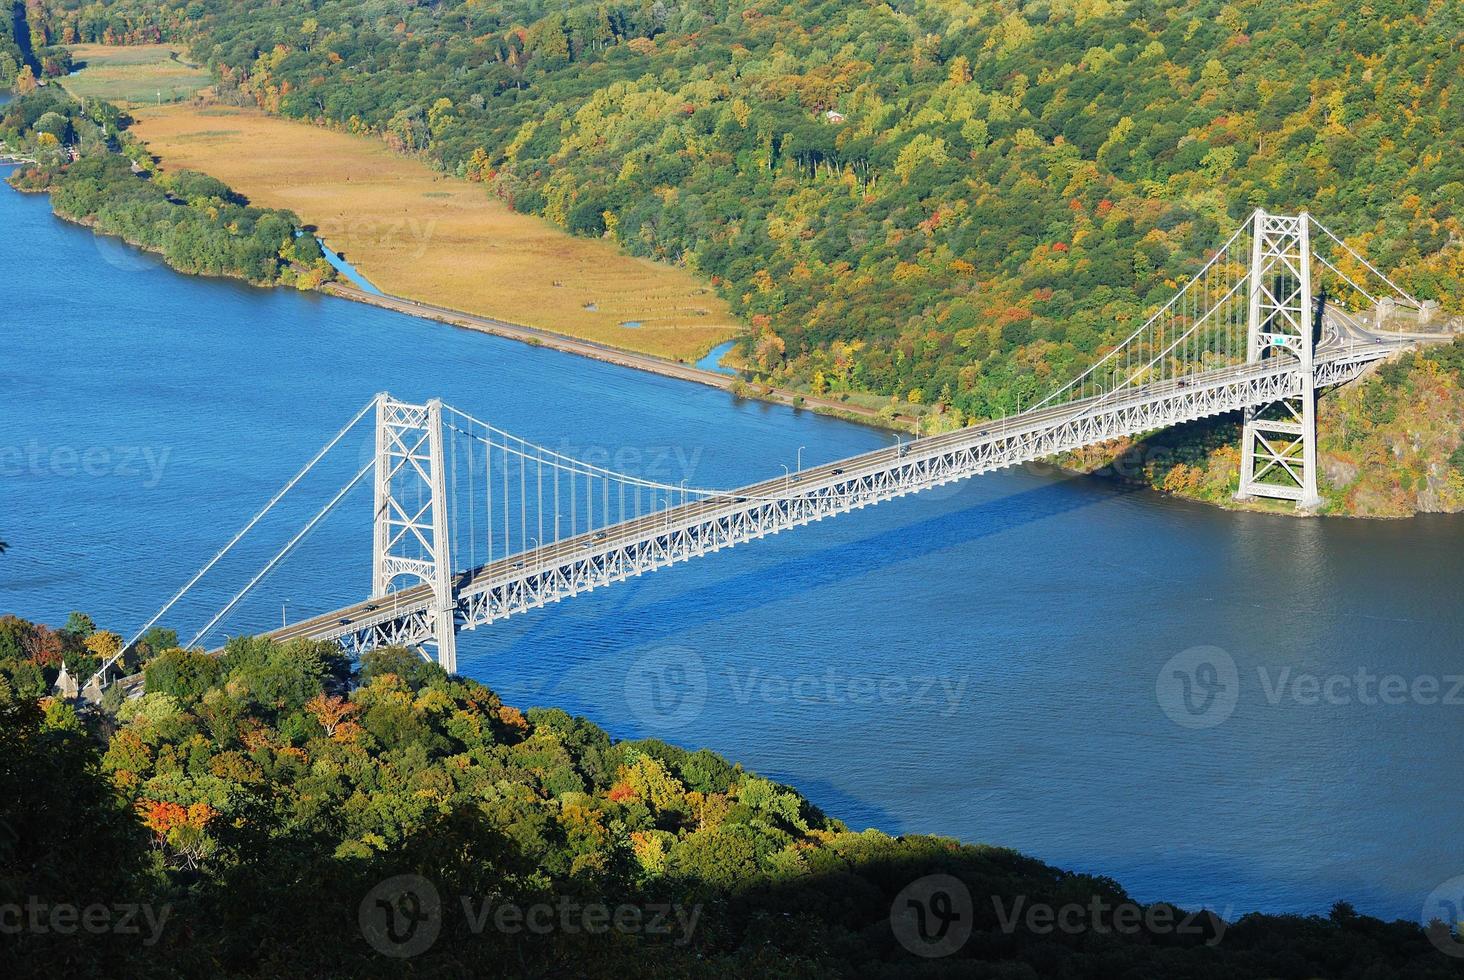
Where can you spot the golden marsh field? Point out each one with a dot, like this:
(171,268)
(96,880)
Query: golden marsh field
(419,234)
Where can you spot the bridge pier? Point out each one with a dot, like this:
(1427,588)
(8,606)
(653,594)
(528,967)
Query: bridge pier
(412,538)
(1279,441)
(1278,451)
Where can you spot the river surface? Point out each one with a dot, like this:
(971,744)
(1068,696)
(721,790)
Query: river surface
(993,661)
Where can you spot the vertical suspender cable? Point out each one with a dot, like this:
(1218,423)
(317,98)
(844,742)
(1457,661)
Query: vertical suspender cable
(490,500)
(472,511)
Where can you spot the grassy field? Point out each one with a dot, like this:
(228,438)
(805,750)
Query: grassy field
(137,75)
(416,233)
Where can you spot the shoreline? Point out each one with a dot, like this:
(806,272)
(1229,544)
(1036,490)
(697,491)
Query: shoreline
(538,337)
(419,233)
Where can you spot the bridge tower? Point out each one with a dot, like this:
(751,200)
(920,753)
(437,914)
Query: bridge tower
(1279,441)
(410,531)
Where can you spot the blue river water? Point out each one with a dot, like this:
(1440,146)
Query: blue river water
(712,361)
(345,268)
(993,661)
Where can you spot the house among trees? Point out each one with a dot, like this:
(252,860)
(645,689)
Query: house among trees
(66,686)
(834,116)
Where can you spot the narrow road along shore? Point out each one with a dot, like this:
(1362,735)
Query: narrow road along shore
(610,355)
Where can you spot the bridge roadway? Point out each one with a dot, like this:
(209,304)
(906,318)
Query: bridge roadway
(598,557)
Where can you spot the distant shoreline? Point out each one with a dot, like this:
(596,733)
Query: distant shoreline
(415,231)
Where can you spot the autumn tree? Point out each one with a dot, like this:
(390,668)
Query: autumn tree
(331,711)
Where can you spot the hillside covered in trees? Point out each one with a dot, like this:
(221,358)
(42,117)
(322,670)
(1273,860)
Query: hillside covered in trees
(26,55)
(251,805)
(948,203)
(12,57)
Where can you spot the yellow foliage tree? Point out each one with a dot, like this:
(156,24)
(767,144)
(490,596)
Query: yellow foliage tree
(103,643)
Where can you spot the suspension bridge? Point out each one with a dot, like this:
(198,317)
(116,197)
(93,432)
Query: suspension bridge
(473,524)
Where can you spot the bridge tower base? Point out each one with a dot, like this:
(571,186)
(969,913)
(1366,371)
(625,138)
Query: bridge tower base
(410,532)
(1278,449)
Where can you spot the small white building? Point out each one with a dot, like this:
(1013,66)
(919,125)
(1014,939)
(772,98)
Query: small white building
(834,116)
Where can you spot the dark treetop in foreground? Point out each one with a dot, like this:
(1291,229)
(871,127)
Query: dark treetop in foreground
(257,804)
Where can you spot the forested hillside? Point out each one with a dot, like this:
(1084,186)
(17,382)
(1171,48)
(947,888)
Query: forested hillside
(26,51)
(946,202)
(251,803)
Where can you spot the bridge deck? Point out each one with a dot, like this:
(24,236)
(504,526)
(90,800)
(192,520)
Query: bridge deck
(535,577)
